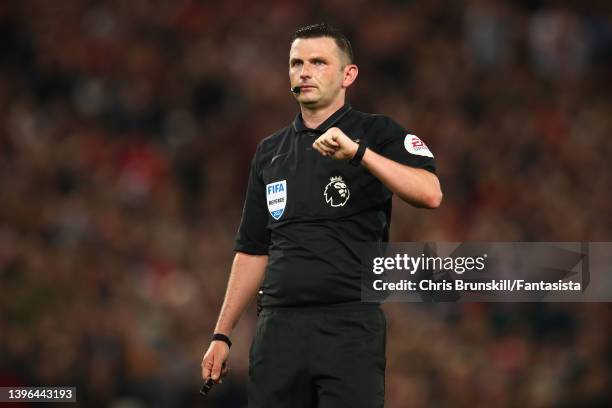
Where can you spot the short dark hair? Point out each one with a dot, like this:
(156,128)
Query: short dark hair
(326,30)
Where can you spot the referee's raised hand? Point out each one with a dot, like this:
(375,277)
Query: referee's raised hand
(335,144)
(214,362)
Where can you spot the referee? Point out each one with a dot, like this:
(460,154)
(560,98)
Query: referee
(316,189)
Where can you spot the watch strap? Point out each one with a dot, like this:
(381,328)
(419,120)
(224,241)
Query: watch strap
(222,337)
(356,160)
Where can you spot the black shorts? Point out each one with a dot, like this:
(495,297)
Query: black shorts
(318,358)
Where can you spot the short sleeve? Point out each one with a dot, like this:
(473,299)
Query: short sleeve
(395,143)
(253,237)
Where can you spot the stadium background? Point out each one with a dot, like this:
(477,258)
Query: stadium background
(126,131)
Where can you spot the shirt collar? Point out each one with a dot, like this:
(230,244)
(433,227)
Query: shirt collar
(298,123)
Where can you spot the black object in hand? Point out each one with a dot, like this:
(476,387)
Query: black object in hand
(207,387)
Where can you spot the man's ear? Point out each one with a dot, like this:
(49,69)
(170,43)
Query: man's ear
(350,75)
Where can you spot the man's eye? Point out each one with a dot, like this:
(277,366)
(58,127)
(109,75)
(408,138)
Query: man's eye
(319,62)
(296,63)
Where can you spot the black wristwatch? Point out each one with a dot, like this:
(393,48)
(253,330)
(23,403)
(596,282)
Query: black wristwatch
(222,337)
(356,160)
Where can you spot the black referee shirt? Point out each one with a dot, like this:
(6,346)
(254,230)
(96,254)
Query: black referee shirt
(307,211)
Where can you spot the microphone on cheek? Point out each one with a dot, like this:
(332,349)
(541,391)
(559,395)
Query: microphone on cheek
(296,90)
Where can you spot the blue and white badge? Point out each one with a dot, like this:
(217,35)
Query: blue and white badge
(276,197)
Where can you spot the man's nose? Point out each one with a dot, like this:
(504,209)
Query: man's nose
(305,71)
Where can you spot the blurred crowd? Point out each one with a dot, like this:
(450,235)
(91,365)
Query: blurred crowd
(126,132)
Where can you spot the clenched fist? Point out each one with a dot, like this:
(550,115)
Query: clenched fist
(214,362)
(335,144)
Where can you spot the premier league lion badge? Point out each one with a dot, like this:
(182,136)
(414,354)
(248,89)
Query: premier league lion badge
(336,192)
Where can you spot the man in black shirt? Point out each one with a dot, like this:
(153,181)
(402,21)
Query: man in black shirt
(318,188)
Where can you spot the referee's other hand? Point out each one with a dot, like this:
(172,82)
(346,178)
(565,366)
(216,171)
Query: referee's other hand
(214,362)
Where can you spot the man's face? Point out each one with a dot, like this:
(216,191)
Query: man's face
(316,65)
